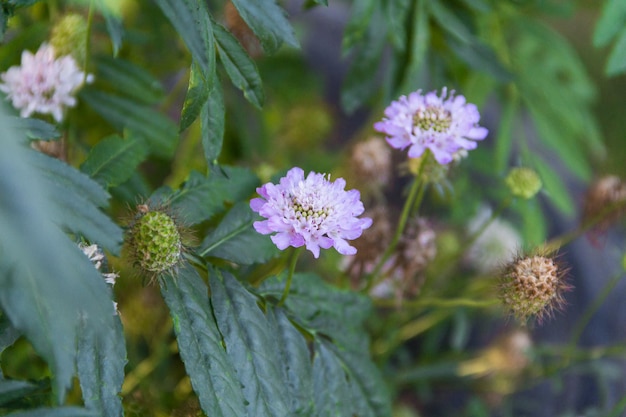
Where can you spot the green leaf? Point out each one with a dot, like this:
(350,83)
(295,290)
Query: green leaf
(191,20)
(159,132)
(201,197)
(554,187)
(616,63)
(296,363)
(115,29)
(397,13)
(34,129)
(212,374)
(55,412)
(239,66)
(504,138)
(534,230)
(268,22)
(11,390)
(8,335)
(361,82)
(100,364)
(114,159)
(449,22)
(331,384)
(357,26)
(196,97)
(252,349)
(611,22)
(235,239)
(74,201)
(129,79)
(213,122)
(480,57)
(418,49)
(46,282)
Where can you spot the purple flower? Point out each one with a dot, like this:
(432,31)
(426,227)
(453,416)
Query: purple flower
(43,84)
(314,212)
(443,125)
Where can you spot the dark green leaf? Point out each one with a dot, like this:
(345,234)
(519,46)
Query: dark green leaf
(397,13)
(418,49)
(191,20)
(331,384)
(55,412)
(504,138)
(357,26)
(196,97)
(213,122)
(11,390)
(554,187)
(239,66)
(252,349)
(312,3)
(47,282)
(114,159)
(200,198)
(8,334)
(100,364)
(115,29)
(34,129)
(74,199)
(236,240)
(212,374)
(296,363)
(616,63)
(268,22)
(481,6)
(611,22)
(129,79)
(159,132)
(449,22)
(480,57)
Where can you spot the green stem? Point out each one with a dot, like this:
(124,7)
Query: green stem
(292,268)
(438,302)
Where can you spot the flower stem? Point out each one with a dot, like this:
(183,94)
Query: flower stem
(292,268)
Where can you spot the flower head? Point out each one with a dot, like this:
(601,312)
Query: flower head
(312,212)
(523,182)
(43,84)
(445,125)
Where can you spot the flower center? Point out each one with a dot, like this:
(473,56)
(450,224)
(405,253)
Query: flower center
(313,216)
(432,118)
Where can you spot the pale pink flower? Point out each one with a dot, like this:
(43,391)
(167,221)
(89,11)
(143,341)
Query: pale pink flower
(42,83)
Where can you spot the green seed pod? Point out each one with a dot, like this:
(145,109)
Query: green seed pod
(523,182)
(69,37)
(155,241)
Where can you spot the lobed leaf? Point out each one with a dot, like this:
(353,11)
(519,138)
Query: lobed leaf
(235,239)
(397,13)
(213,376)
(417,51)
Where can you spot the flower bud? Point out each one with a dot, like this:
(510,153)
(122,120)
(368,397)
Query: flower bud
(69,37)
(155,241)
(523,182)
(533,286)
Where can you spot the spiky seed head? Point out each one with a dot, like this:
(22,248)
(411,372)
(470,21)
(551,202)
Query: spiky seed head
(523,182)
(533,286)
(155,241)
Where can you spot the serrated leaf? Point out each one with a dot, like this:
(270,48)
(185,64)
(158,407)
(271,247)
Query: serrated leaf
(74,200)
(357,26)
(11,390)
(114,160)
(159,132)
(196,97)
(331,385)
(34,129)
(268,22)
(46,281)
(100,364)
(610,23)
(201,197)
(616,64)
(211,372)
(213,122)
(128,79)
(296,363)
(239,66)
(252,349)
(191,20)
(235,239)
(55,412)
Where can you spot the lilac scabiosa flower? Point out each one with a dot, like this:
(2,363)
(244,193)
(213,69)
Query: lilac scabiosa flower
(445,125)
(43,84)
(312,212)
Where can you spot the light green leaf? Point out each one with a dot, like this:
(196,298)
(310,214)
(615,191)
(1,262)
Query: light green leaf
(11,390)
(611,22)
(235,239)
(128,79)
(191,20)
(252,349)
(159,132)
(616,63)
(357,26)
(239,66)
(268,22)
(196,97)
(211,371)
(534,230)
(115,29)
(55,412)
(114,160)
(213,122)
(100,364)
